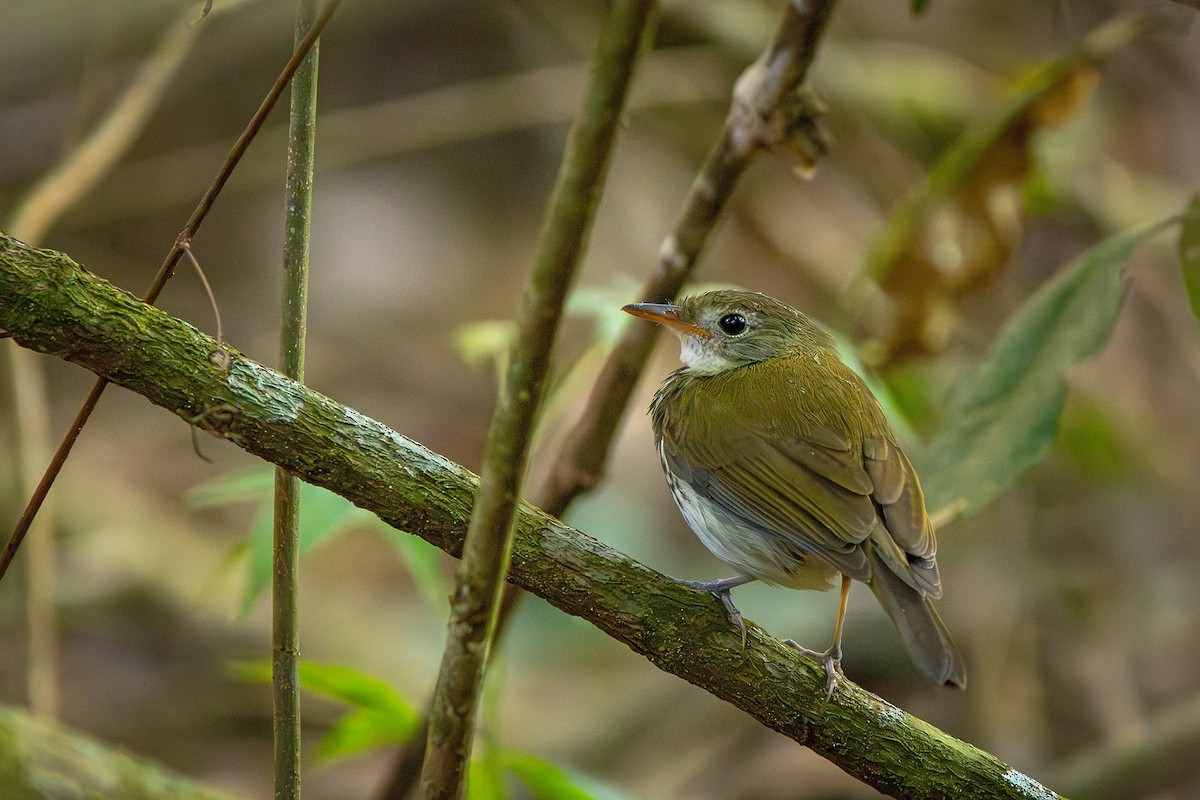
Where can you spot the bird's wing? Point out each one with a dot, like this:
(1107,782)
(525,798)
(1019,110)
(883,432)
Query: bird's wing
(899,495)
(805,501)
(827,495)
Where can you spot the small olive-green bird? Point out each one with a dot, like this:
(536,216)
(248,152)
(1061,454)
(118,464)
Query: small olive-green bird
(783,463)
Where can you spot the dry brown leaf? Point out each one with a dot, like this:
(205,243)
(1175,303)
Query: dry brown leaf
(960,230)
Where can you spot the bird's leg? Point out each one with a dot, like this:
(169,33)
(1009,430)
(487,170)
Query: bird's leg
(831,659)
(721,589)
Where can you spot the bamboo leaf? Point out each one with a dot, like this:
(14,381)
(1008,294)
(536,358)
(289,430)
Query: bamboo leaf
(378,715)
(362,730)
(424,562)
(1189,253)
(323,515)
(485,781)
(232,488)
(547,781)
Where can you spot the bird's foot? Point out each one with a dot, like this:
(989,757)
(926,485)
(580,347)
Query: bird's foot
(831,660)
(721,589)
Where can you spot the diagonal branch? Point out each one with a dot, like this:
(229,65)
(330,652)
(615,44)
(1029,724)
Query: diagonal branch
(165,271)
(50,304)
(62,187)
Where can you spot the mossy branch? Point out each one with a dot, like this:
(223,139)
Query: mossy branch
(39,760)
(50,304)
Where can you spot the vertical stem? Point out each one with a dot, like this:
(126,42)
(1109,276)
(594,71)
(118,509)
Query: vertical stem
(285,640)
(31,431)
(285,572)
(488,543)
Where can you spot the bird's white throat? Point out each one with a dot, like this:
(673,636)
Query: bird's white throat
(700,356)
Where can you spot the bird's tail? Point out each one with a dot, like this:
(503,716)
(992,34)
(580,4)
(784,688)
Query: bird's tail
(925,637)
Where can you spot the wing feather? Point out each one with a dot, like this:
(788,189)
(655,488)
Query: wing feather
(821,486)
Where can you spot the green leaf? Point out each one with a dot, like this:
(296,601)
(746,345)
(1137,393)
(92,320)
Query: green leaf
(489,341)
(323,515)
(258,553)
(232,488)
(335,681)
(1090,440)
(549,782)
(424,562)
(252,671)
(1189,253)
(379,715)
(362,730)
(918,6)
(485,341)
(1001,419)
(356,688)
(485,781)
(602,305)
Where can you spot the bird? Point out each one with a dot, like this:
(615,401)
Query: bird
(784,465)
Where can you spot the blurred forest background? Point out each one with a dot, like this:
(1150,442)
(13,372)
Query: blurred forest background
(1073,595)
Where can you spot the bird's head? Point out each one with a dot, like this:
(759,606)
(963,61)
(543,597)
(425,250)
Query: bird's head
(725,329)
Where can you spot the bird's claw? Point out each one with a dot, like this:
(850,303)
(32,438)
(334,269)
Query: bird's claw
(721,590)
(831,660)
(734,614)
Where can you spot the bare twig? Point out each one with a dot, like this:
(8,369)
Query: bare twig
(103,147)
(31,436)
(464,111)
(488,544)
(212,298)
(160,280)
(58,190)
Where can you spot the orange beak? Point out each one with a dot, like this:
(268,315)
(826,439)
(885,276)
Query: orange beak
(667,315)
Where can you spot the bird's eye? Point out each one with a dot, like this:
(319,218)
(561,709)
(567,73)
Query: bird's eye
(732,324)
